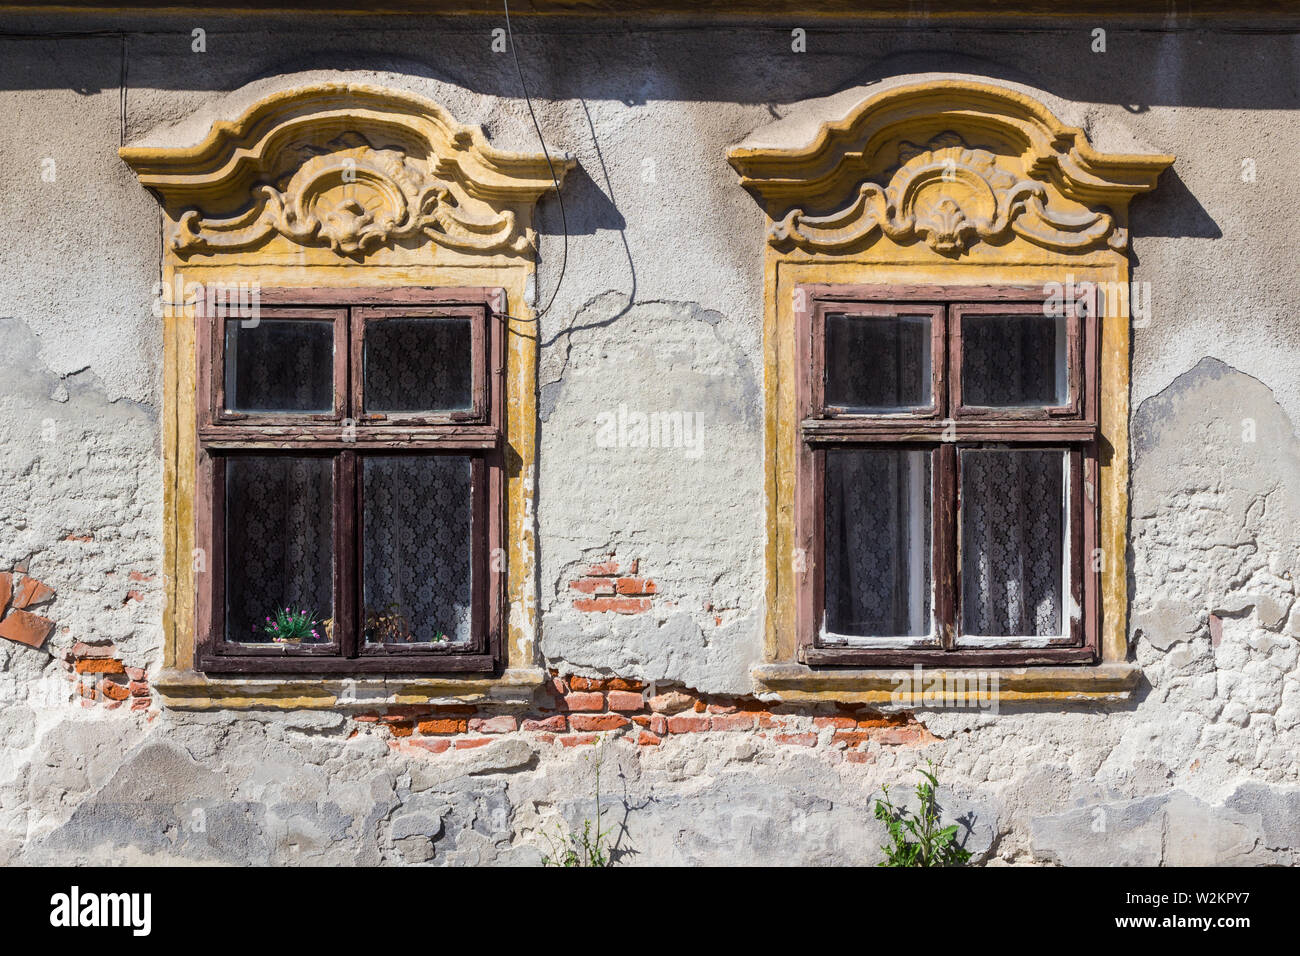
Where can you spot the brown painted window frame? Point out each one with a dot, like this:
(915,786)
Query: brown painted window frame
(478,434)
(945,430)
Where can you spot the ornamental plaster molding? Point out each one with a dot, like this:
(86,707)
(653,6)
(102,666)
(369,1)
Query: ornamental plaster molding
(949,163)
(350,167)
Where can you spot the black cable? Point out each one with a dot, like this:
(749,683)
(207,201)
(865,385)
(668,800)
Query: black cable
(564,222)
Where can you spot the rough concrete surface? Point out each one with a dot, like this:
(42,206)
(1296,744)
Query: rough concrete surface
(660,310)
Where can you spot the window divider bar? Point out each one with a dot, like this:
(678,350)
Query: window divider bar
(946,571)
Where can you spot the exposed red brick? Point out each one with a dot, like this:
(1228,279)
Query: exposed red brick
(6,589)
(732,722)
(502,724)
(113,690)
(618,605)
(584,701)
(700,707)
(434,745)
(31,591)
(133,595)
(622,683)
(559,685)
(605,569)
(880,721)
(597,721)
(82,649)
(859,756)
(722,708)
(578,740)
(796,740)
(466,744)
(79,537)
(444,725)
(659,724)
(140,703)
(403,728)
(25,627)
(554,724)
(625,701)
(641,720)
(635,586)
(914,735)
(367,718)
(687,725)
(135,673)
(595,586)
(766,721)
(99,665)
(587,683)
(851,737)
(670,703)
(838,723)
(647,740)
(139,576)
(139,688)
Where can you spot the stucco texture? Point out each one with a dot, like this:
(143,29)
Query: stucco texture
(660,310)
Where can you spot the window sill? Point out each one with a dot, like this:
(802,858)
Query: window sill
(1113,681)
(191,690)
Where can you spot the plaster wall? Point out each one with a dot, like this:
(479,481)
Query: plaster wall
(659,310)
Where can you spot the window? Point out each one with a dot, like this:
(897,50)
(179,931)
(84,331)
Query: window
(351,478)
(948,448)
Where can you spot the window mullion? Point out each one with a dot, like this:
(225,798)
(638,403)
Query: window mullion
(347,525)
(945,539)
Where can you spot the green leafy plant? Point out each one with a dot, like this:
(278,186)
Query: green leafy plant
(916,839)
(291,626)
(589,847)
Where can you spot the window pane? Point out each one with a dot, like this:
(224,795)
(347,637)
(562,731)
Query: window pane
(1013,529)
(878,543)
(417,521)
(878,363)
(418,365)
(1013,360)
(279,548)
(280,365)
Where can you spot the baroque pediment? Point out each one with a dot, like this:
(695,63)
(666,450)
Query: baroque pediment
(950,164)
(347,167)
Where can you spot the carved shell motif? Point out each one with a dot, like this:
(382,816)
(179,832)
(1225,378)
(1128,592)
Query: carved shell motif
(950,196)
(355,200)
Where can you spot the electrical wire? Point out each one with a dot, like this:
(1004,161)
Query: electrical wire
(564,222)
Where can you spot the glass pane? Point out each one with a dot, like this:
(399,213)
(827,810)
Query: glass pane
(1013,360)
(279,550)
(878,543)
(1013,528)
(280,365)
(878,364)
(417,518)
(418,365)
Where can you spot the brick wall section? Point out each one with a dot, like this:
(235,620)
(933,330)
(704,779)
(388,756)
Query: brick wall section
(574,711)
(97,673)
(609,586)
(99,676)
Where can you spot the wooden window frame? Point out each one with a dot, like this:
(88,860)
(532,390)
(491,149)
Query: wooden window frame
(347,440)
(1072,427)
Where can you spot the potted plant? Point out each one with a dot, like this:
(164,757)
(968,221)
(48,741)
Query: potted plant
(290,626)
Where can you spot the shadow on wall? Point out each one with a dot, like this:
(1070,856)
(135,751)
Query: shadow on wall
(642,60)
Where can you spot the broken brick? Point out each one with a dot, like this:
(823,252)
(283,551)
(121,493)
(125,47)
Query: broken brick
(30,592)
(26,628)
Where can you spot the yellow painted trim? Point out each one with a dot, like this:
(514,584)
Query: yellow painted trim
(281,263)
(863,137)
